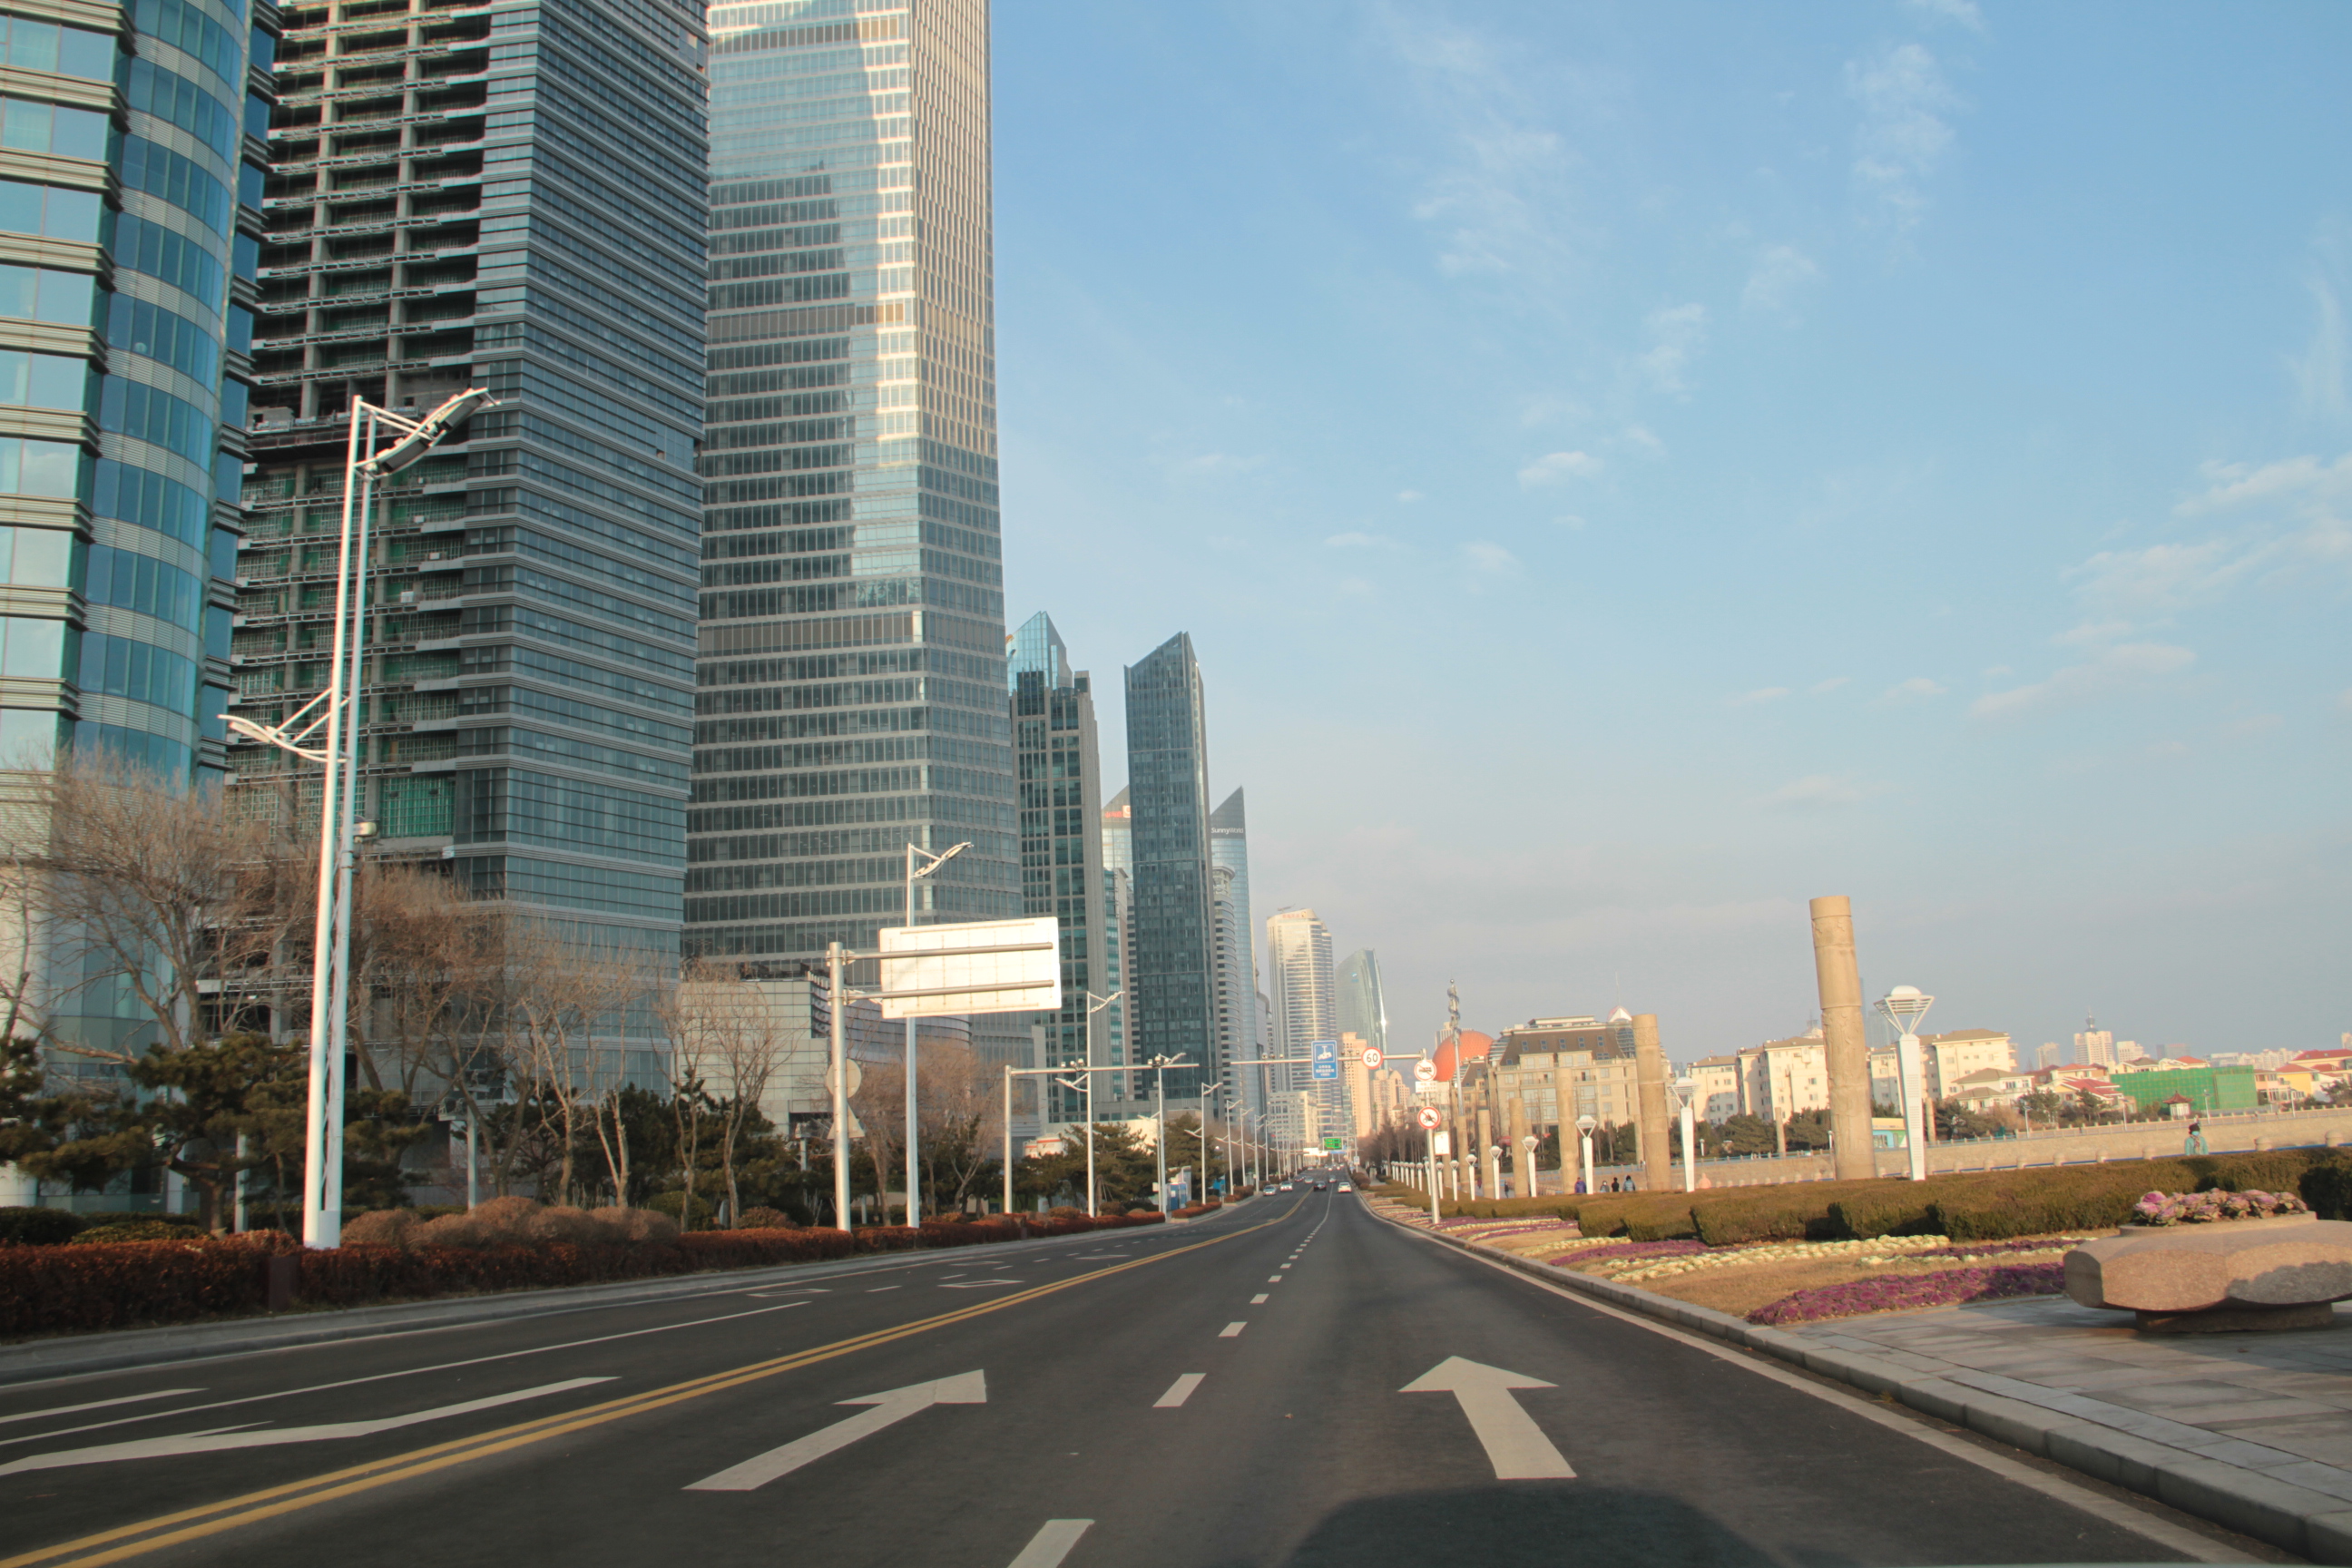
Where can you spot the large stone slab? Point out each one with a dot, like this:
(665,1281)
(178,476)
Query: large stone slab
(2292,1260)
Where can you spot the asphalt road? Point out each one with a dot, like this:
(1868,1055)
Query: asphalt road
(1221,1394)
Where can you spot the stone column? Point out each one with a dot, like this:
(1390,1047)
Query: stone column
(1847,1046)
(1523,1163)
(1650,1100)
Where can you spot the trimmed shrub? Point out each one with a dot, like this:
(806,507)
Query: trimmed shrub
(191,1224)
(2327,1188)
(642,1225)
(119,1284)
(1989,1206)
(142,1229)
(564,1224)
(37,1226)
(765,1218)
(673,1203)
(1884,1208)
(381,1227)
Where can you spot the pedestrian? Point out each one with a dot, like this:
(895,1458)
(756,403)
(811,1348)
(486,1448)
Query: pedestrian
(1580,1184)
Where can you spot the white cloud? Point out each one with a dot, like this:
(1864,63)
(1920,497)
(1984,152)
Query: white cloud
(1554,466)
(2111,669)
(1778,272)
(1488,557)
(1963,12)
(1761,694)
(2295,516)
(1677,334)
(1353,540)
(1407,498)
(1821,792)
(1902,134)
(1820,688)
(1918,689)
(1568,520)
(1642,440)
(1550,411)
(2319,371)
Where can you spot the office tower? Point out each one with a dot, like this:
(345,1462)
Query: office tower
(527,218)
(1231,976)
(1118,904)
(130,208)
(1358,1006)
(1298,966)
(1170,961)
(2094,1046)
(1229,848)
(1060,802)
(852,676)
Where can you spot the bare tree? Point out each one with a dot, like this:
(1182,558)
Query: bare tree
(722,1034)
(563,995)
(961,1101)
(880,1105)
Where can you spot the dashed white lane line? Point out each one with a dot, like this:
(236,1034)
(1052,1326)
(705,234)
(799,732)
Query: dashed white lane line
(1274,1278)
(1180,1391)
(1050,1546)
(1260,1299)
(1231,1331)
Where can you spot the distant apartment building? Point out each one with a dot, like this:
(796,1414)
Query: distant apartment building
(2093,1044)
(1715,1087)
(1956,1055)
(1560,1069)
(1785,1078)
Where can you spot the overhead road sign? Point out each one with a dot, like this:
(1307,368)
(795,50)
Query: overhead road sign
(1325,1055)
(976,966)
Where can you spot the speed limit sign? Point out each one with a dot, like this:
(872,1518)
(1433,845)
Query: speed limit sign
(1428,1118)
(1372,1058)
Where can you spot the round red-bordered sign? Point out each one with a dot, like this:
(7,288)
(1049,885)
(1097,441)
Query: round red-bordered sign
(1429,1118)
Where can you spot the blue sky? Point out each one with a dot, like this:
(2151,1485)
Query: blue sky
(1628,468)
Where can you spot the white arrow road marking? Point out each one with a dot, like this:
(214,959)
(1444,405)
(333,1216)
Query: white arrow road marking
(889,1408)
(1515,1444)
(97,1405)
(222,1438)
(1179,1391)
(1050,1546)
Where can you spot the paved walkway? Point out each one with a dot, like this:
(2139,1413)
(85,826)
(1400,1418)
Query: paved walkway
(2277,1402)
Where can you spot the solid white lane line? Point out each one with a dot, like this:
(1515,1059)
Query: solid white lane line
(1260,1299)
(1050,1546)
(1231,1331)
(412,1372)
(1179,1391)
(2113,1510)
(226,1437)
(98,1403)
(980,1284)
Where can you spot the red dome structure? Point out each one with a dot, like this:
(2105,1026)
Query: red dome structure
(1475,1046)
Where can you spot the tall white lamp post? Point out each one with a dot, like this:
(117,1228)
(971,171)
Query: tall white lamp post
(1094,1004)
(1904,1007)
(914,1189)
(1584,1126)
(330,942)
(1687,1091)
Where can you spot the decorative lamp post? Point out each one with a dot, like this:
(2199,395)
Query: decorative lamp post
(1584,1126)
(1904,1007)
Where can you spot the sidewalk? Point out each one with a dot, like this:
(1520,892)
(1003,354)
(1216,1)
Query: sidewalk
(2253,1431)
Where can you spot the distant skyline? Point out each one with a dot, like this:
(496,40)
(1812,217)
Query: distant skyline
(1627,469)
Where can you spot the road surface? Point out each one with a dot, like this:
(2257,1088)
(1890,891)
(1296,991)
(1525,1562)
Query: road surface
(1292,1382)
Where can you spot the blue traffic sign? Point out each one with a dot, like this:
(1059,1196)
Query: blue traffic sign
(1325,1060)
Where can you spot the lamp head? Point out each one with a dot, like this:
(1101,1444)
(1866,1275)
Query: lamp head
(1904,1006)
(1586,1124)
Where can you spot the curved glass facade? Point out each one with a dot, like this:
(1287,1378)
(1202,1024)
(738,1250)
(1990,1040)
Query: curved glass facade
(131,178)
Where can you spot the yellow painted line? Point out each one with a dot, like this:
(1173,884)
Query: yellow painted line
(129,1541)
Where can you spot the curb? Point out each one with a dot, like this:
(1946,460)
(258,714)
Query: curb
(2312,1524)
(70,1355)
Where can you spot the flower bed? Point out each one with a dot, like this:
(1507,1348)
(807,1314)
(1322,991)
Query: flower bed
(1900,1292)
(2209,1208)
(1980,1250)
(1608,1249)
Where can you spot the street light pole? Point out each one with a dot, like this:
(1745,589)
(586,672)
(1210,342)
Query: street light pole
(322,1154)
(914,1186)
(1094,1004)
(1684,1089)
(1584,1126)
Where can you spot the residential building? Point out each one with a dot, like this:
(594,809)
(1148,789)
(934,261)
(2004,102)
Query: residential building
(1298,976)
(1715,1090)
(1171,950)
(1236,996)
(2094,1044)
(1058,780)
(527,689)
(2049,1053)
(1988,1089)
(852,680)
(1356,1079)
(1950,1056)
(1237,949)
(130,219)
(1786,1078)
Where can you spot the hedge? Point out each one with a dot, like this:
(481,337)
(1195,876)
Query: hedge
(114,1284)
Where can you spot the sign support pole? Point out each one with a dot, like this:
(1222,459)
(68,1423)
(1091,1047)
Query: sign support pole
(835,1004)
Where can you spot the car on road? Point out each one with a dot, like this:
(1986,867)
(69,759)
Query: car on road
(1347,1187)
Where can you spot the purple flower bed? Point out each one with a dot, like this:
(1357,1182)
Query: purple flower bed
(2204,1208)
(1896,1292)
(1633,1249)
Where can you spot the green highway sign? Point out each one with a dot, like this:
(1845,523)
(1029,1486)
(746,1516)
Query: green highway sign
(1331,1144)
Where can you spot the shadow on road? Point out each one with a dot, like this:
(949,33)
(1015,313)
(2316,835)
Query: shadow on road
(1560,1525)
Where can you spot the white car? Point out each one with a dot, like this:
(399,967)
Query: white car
(1345,1187)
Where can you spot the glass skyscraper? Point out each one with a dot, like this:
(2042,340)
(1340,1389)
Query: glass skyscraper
(1062,875)
(851,679)
(1361,1009)
(513,200)
(129,217)
(1237,950)
(1172,957)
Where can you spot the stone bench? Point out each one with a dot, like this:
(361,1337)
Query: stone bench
(2278,1273)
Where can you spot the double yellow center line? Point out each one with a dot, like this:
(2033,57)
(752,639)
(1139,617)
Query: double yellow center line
(129,1541)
